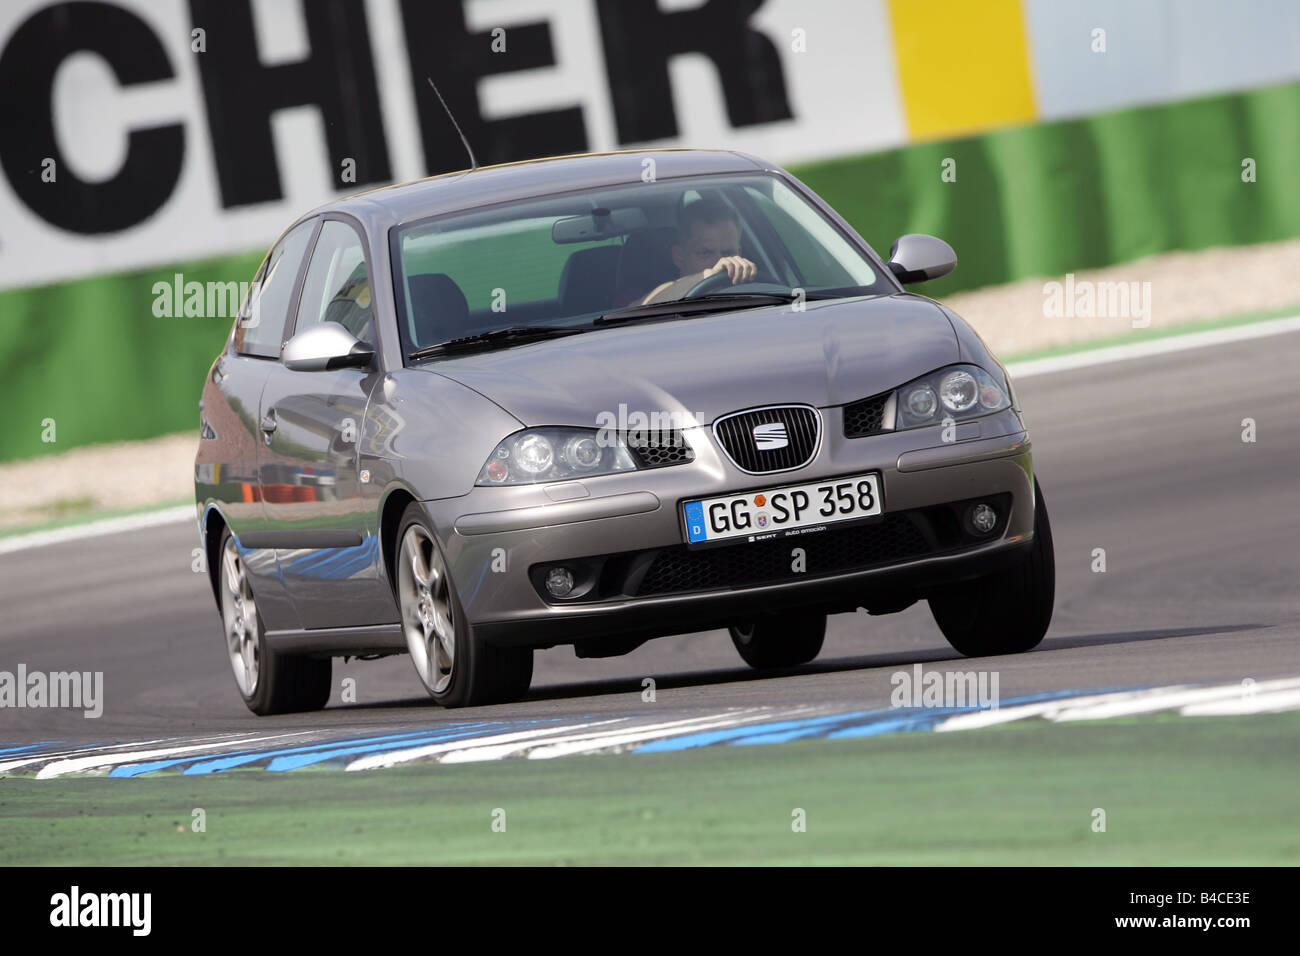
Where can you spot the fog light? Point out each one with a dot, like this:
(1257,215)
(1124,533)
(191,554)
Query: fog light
(559,581)
(983,518)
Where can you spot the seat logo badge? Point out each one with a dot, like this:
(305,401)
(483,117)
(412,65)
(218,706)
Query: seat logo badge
(771,436)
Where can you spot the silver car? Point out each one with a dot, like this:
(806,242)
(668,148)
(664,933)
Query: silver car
(594,400)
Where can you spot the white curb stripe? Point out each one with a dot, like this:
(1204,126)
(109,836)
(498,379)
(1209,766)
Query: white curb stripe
(1234,698)
(47,756)
(1005,715)
(60,753)
(1168,698)
(1161,346)
(549,751)
(96,529)
(105,760)
(394,757)
(589,742)
(1256,703)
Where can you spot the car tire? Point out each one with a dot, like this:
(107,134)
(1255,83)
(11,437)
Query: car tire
(1007,612)
(456,668)
(779,640)
(269,682)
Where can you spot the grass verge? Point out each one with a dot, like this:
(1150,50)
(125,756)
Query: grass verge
(1187,791)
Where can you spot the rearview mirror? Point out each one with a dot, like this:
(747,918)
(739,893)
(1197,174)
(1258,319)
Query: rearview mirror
(325,346)
(917,257)
(598,224)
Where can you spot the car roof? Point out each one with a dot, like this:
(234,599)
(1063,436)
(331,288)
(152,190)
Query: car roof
(466,189)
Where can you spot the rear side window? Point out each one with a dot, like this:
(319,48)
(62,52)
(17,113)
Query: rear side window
(337,287)
(260,327)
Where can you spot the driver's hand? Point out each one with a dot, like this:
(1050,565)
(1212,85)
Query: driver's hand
(739,268)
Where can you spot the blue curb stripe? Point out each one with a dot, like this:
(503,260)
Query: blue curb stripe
(237,757)
(11,750)
(213,762)
(726,734)
(294,761)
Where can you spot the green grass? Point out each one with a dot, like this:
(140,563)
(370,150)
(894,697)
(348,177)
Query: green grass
(1189,791)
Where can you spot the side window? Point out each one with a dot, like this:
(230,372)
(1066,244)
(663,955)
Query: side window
(337,287)
(822,256)
(260,327)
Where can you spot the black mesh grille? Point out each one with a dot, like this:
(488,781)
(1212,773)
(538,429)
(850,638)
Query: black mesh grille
(659,449)
(800,434)
(678,569)
(865,417)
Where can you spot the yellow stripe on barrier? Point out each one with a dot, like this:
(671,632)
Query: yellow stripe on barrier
(963,66)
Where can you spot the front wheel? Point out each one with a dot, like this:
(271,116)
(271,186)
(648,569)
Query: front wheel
(1006,612)
(270,683)
(457,669)
(780,640)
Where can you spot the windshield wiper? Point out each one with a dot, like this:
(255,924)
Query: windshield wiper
(510,334)
(712,302)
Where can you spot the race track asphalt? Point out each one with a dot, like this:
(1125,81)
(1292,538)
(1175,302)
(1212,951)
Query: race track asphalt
(1143,458)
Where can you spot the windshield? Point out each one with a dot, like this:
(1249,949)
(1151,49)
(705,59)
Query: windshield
(568,260)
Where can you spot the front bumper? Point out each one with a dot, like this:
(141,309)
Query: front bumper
(496,538)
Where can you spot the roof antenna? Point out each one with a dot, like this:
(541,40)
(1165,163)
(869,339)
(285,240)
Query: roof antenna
(473,163)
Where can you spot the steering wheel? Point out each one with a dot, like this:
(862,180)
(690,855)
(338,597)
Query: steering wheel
(720,280)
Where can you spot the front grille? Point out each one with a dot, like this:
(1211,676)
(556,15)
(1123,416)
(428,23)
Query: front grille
(865,417)
(678,569)
(790,442)
(659,449)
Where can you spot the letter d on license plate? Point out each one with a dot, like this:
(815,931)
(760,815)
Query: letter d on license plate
(780,512)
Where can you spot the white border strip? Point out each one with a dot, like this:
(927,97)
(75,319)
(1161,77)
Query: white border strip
(1269,696)
(106,761)
(96,529)
(1177,342)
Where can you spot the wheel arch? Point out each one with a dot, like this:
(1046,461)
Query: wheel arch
(214,524)
(396,501)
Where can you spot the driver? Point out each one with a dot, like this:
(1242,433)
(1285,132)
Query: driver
(708,242)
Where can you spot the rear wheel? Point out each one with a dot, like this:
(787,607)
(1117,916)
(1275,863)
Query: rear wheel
(780,640)
(270,683)
(1006,612)
(457,669)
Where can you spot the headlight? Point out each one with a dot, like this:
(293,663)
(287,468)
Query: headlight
(533,454)
(958,391)
(921,401)
(553,454)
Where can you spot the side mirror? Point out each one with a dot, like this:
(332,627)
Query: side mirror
(916,257)
(325,346)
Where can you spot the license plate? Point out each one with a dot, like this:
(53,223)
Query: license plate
(781,512)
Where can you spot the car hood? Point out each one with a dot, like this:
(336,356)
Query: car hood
(705,366)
